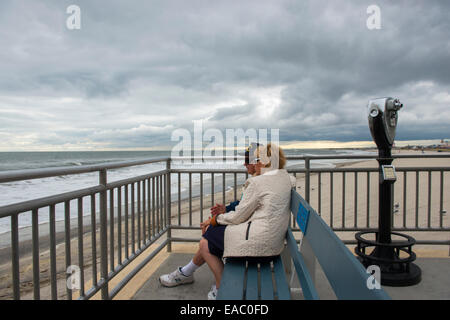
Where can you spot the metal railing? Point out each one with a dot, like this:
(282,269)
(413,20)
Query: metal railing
(338,178)
(141,203)
(139,212)
(362,212)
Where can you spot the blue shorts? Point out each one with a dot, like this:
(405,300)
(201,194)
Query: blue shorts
(215,237)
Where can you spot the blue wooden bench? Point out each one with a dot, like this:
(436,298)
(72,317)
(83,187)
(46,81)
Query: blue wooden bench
(253,280)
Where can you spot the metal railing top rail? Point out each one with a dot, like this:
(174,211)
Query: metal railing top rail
(374,156)
(363,169)
(320,157)
(29,205)
(24,206)
(218,171)
(235,157)
(28,174)
(312,170)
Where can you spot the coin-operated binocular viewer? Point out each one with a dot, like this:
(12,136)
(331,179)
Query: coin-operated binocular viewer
(394,258)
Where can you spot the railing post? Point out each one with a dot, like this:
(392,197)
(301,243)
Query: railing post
(307,178)
(169,207)
(103,234)
(15,256)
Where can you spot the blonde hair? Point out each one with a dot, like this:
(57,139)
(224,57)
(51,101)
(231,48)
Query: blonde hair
(265,154)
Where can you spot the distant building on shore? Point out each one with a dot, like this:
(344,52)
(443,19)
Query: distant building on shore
(443,146)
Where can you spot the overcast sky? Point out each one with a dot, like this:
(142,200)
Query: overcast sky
(138,70)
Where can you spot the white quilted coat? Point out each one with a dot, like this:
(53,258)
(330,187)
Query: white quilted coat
(257,227)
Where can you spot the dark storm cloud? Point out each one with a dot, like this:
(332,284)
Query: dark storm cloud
(137,70)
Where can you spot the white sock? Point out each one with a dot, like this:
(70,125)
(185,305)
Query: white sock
(189,269)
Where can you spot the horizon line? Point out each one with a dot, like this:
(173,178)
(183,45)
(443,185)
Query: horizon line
(287,145)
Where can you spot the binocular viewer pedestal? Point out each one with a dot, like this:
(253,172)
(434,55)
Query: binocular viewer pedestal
(394,258)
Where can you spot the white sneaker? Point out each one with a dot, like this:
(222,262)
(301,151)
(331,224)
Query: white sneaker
(212,295)
(175,278)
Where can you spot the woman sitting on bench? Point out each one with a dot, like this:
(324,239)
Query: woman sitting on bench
(257,226)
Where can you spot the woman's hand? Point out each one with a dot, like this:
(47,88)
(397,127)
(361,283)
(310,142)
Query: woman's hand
(204,225)
(218,209)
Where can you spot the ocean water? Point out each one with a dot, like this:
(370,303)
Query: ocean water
(15,192)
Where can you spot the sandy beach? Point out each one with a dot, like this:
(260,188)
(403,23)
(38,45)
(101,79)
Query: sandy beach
(344,206)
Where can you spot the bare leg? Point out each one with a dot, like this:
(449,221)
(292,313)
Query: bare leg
(198,259)
(214,263)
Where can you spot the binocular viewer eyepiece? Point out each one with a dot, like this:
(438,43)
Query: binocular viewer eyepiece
(383,118)
(393,105)
(383,104)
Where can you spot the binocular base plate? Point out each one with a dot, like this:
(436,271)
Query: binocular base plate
(395,271)
(402,279)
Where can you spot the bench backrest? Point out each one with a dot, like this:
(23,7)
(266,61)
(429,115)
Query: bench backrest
(347,276)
